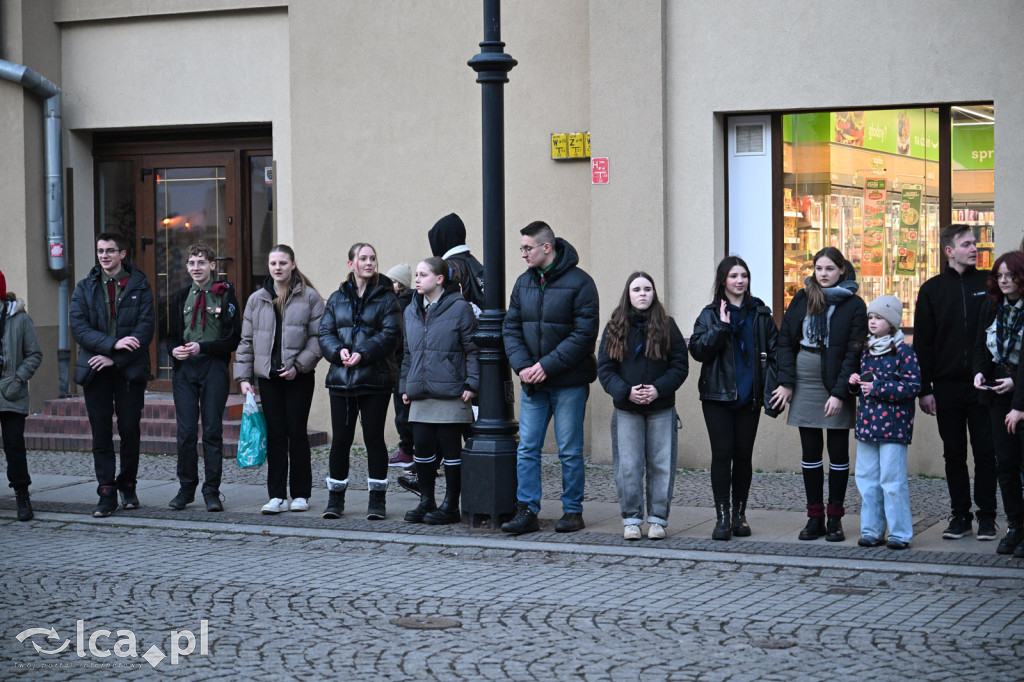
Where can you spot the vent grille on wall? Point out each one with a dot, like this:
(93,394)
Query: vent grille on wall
(750,139)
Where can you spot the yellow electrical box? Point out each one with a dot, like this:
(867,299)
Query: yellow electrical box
(586,144)
(559,146)
(577,146)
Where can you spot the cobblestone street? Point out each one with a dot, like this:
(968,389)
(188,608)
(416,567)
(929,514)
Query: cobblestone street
(296,597)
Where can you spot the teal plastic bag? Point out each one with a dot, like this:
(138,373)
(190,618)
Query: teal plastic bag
(252,440)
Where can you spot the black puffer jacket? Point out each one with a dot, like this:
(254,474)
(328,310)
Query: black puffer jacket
(847,331)
(440,357)
(88,314)
(711,344)
(619,377)
(557,325)
(370,326)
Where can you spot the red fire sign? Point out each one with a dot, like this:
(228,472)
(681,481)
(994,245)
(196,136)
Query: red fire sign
(599,170)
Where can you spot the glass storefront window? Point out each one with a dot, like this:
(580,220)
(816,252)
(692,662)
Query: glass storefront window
(867,183)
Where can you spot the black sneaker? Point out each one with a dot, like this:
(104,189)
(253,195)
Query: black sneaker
(893,543)
(525,521)
(129,500)
(107,503)
(182,499)
(570,523)
(1011,541)
(987,529)
(24,504)
(409,483)
(959,526)
(213,502)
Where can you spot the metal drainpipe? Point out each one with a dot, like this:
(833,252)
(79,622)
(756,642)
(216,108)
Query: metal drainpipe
(55,237)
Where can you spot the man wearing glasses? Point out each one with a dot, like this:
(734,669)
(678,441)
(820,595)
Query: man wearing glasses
(550,334)
(945,329)
(112,321)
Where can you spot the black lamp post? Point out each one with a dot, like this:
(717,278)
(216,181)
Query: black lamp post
(489,461)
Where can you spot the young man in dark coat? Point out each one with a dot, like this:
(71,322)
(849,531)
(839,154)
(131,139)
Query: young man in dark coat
(112,321)
(550,335)
(945,328)
(205,326)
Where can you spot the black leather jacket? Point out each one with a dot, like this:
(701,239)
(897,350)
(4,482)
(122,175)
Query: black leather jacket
(711,345)
(372,327)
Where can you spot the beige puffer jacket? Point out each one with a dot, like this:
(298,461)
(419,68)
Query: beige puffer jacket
(300,346)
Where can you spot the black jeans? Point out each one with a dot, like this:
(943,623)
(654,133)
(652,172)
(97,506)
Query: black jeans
(201,385)
(286,408)
(13,426)
(1008,460)
(959,411)
(732,433)
(405,435)
(372,410)
(109,393)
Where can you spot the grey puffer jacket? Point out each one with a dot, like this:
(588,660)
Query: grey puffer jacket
(440,359)
(22,356)
(299,345)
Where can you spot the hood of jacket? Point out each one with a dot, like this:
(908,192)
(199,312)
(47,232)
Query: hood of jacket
(566,259)
(448,232)
(14,307)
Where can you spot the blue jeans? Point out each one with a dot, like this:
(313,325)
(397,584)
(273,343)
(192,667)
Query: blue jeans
(568,406)
(644,443)
(882,481)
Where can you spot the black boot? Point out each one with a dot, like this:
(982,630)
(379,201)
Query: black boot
(814,529)
(525,521)
(409,483)
(834,529)
(448,512)
(335,498)
(426,475)
(107,503)
(24,504)
(721,531)
(1013,538)
(740,527)
(376,510)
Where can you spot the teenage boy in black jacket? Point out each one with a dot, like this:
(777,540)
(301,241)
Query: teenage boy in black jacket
(945,328)
(112,321)
(205,326)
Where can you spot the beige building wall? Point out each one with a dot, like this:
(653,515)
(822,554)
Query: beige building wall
(743,56)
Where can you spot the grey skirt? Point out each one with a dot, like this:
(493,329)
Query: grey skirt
(440,411)
(809,397)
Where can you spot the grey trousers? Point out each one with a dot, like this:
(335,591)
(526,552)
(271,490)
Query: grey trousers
(644,443)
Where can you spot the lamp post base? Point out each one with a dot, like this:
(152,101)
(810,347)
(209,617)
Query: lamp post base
(489,482)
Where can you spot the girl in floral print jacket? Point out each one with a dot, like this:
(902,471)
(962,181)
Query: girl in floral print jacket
(888,381)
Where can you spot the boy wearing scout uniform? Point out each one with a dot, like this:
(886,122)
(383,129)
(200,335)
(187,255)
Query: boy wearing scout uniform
(205,326)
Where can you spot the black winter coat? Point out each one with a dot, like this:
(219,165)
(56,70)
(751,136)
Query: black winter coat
(374,333)
(557,325)
(135,317)
(946,321)
(619,377)
(440,358)
(847,333)
(230,318)
(711,344)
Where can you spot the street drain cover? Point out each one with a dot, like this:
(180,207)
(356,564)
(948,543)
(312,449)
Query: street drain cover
(426,623)
(772,643)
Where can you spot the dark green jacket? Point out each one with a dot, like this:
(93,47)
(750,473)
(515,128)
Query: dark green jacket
(22,356)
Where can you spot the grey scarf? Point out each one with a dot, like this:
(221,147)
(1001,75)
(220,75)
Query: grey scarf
(817,327)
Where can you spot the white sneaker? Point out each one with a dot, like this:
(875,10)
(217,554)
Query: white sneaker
(300,504)
(275,506)
(631,532)
(656,532)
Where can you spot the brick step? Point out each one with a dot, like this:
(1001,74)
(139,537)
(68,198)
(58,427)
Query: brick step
(82,442)
(64,425)
(157,406)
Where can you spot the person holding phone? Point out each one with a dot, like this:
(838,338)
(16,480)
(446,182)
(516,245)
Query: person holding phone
(996,363)
(279,348)
(888,381)
(735,340)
